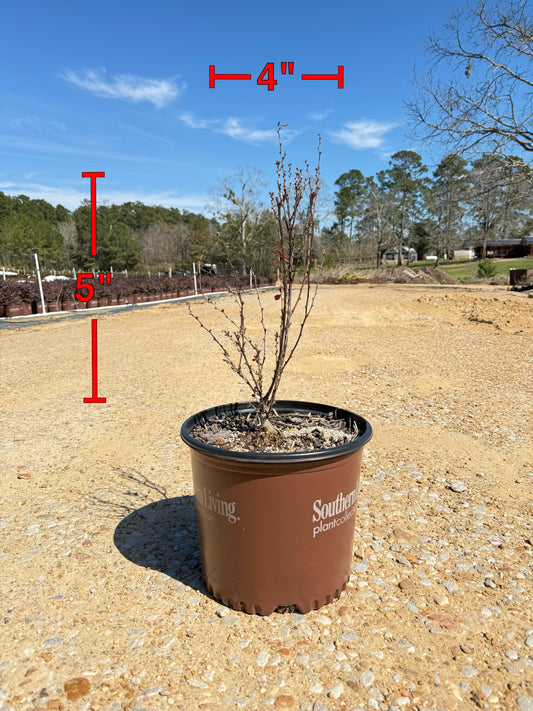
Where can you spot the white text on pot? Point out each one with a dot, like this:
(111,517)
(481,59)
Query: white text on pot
(325,513)
(216,504)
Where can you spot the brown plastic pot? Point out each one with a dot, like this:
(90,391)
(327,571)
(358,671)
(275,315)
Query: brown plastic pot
(18,310)
(276,529)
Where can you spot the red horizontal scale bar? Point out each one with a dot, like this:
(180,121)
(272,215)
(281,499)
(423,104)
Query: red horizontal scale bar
(213,76)
(339,76)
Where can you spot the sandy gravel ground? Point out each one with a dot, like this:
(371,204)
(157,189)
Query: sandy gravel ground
(102,601)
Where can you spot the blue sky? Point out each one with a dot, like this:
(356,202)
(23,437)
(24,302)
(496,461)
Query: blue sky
(124,88)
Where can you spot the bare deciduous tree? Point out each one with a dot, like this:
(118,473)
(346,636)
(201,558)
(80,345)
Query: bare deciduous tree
(238,205)
(297,190)
(479,86)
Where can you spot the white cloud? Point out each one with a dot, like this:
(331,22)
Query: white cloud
(72,197)
(191,120)
(362,134)
(319,115)
(235,128)
(125,86)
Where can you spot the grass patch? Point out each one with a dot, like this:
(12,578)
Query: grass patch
(467,271)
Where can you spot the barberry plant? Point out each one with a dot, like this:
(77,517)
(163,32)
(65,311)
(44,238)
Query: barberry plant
(294,206)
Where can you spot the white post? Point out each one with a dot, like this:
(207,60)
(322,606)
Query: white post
(251,275)
(111,270)
(4,271)
(39,279)
(170,273)
(194,275)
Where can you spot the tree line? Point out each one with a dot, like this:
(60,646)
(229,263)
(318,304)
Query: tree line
(401,206)
(404,206)
(135,237)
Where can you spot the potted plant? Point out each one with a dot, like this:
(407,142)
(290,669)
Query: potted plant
(16,298)
(276,481)
(123,289)
(68,297)
(53,291)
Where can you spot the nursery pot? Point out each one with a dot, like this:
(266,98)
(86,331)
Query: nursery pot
(18,310)
(276,529)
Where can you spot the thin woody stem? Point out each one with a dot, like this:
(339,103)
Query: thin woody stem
(292,248)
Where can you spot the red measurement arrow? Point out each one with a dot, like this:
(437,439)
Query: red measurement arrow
(94,397)
(93,177)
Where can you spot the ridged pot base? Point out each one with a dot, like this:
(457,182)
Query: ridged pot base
(255,608)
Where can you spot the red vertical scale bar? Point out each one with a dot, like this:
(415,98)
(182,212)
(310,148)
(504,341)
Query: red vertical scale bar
(93,177)
(94,397)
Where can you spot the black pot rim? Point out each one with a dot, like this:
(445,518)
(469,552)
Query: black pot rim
(284,406)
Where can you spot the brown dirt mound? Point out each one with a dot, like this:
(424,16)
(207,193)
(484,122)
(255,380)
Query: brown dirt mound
(395,275)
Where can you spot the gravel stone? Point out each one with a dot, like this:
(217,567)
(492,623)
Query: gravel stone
(316,688)
(529,641)
(53,641)
(525,703)
(230,621)
(451,586)
(367,678)
(403,561)
(262,658)
(511,654)
(336,691)
(469,671)
(458,486)
(360,567)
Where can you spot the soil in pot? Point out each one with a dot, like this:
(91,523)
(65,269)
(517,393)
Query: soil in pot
(286,432)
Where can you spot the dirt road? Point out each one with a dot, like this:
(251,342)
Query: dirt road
(101,579)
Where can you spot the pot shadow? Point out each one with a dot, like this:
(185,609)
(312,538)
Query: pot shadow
(161,535)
